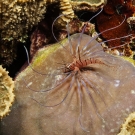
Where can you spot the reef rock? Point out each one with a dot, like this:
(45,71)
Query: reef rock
(72,87)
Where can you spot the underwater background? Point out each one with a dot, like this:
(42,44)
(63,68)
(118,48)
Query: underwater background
(67,67)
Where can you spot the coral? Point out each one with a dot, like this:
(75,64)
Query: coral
(128,128)
(88,5)
(114,13)
(42,36)
(67,11)
(72,92)
(16,19)
(131,21)
(6,92)
(7,52)
(68,8)
(19,16)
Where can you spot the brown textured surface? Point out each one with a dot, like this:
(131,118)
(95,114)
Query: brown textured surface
(111,85)
(113,15)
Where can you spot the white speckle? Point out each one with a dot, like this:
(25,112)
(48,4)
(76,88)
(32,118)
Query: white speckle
(116,52)
(103,126)
(127,109)
(29,84)
(132,91)
(118,123)
(131,107)
(117,82)
(59,77)
(112,130)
